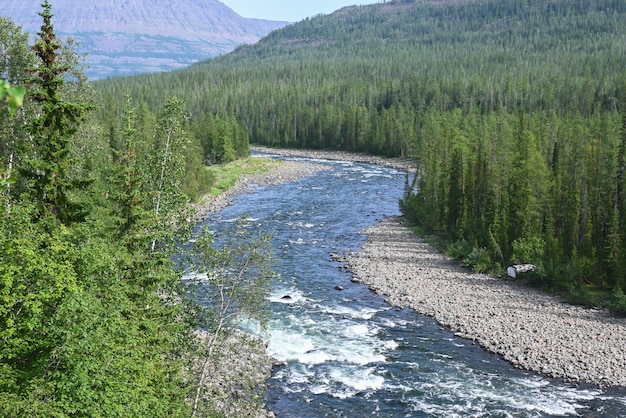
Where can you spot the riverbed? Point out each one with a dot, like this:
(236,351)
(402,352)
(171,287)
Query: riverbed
(345,350)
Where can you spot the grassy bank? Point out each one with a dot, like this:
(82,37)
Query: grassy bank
(226,175)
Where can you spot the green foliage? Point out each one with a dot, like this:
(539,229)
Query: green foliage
(232,278)
(37,276)
(46,170)
(16,52)
(121,356)
(539,189)
(14,95)
(155,135)
(459,250)
(479,260)
(166,170)
(14,49)
(93,319)
(226,175)
(102,347)
(16,58)
(197,179)
(617,302)
(222,138)
(129,197)
(528,250)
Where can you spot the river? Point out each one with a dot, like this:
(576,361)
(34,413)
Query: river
(347,353)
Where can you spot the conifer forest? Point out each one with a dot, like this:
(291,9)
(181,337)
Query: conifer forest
(512,112)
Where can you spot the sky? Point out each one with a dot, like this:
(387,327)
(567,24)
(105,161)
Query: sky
(289,10)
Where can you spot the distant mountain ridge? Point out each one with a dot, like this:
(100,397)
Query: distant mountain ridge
(123,37)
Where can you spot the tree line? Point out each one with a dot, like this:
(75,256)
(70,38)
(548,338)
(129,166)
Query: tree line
(512,111)
(527,188)
(359,79)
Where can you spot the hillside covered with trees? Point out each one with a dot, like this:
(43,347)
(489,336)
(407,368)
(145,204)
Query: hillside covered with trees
(513,112)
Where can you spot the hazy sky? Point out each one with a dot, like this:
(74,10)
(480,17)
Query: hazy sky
(289,10)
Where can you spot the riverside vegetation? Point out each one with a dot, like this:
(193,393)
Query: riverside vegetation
(512,111)
(94,317)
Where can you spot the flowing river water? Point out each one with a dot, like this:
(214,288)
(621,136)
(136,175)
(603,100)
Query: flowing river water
(347,353)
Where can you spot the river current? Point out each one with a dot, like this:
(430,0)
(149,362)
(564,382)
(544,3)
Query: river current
(347,353)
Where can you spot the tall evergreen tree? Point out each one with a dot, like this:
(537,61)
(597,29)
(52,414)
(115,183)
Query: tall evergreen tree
(47,166)
(166,171)
(616,246)
(456,196)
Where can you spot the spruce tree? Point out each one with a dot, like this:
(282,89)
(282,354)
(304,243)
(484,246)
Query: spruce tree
(616,246)
(58,119)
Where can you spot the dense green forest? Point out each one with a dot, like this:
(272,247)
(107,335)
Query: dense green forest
(360,78)
(513,111)
(94,318)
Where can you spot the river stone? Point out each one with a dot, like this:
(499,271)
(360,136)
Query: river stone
(527,327)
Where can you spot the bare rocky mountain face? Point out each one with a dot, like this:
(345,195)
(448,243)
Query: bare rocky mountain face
(123,37)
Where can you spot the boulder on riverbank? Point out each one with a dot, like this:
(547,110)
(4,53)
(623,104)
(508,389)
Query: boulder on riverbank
(514,271)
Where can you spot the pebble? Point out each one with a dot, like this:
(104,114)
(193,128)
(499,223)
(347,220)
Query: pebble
(241,367)
(532,330)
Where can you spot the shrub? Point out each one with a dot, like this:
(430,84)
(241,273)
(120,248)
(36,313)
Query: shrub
(479,260)
(617,302)
(528,250)
(459,250)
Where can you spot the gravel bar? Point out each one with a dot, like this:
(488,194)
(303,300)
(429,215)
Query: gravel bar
(400,163)
(532,330)
(283,172)
(289,171)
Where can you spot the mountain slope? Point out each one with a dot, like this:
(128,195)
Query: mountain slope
(134,36)
(306,84)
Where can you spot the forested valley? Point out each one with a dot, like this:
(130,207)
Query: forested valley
(513,112)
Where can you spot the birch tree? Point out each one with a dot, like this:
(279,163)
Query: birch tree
(232,279)
(167,170)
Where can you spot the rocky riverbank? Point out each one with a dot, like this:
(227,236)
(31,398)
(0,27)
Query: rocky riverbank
(400,163)
(288,171)
(281,172)
(235,373)
(532,330)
